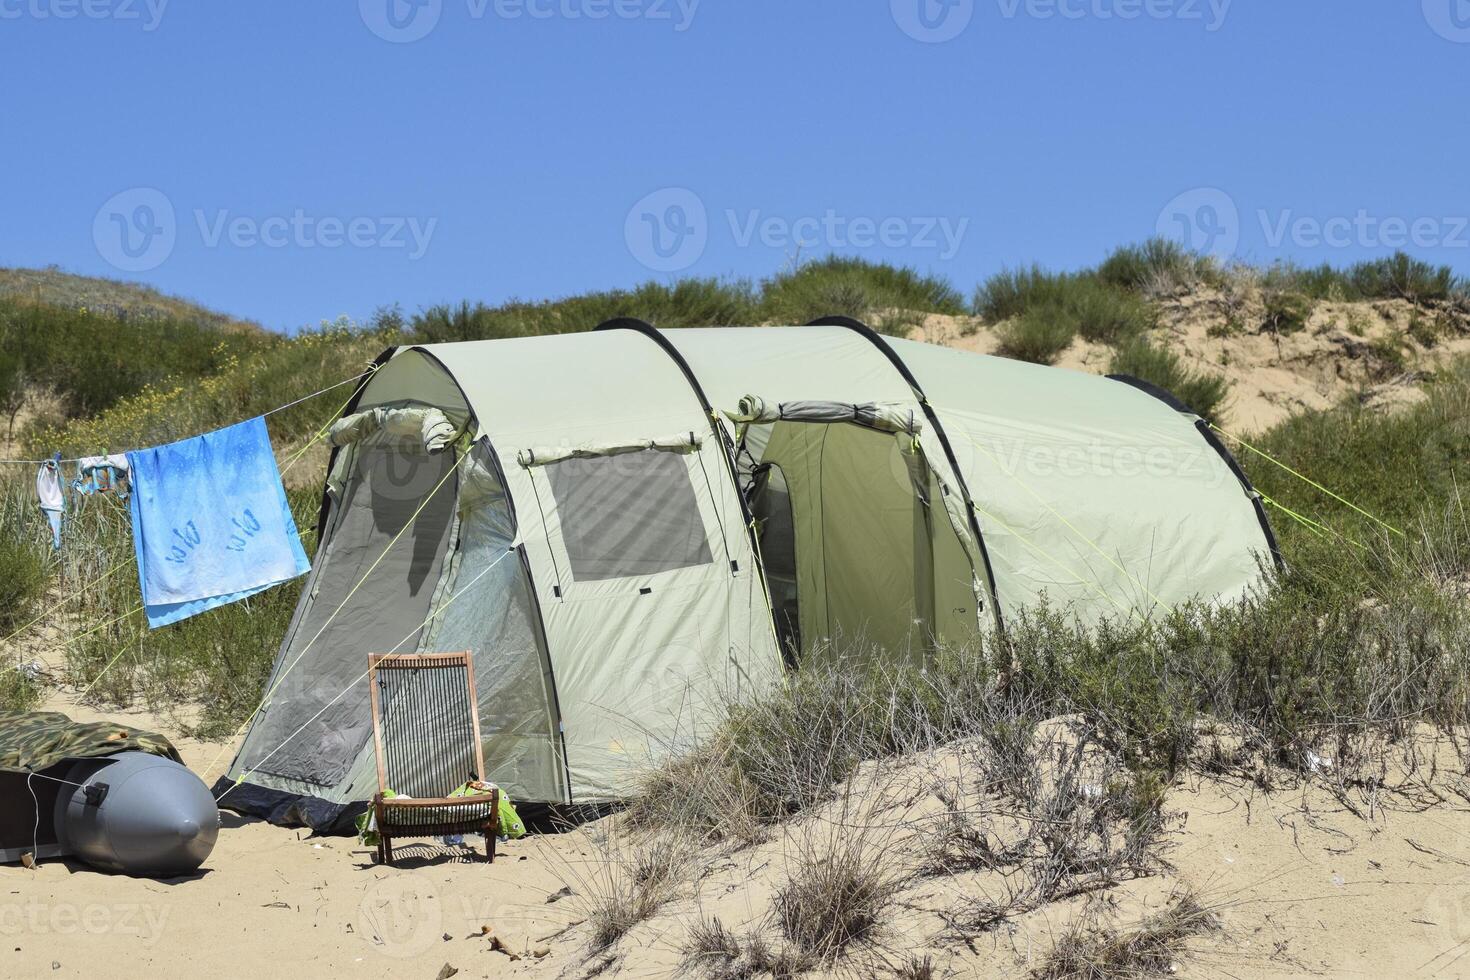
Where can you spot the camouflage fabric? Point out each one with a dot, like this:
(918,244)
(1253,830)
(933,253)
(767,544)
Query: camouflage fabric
(34,740)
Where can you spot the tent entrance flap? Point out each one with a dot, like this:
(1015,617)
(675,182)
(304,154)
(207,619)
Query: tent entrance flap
(847,535)
(377,576)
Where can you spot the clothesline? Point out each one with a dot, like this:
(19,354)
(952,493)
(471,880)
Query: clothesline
(281,408)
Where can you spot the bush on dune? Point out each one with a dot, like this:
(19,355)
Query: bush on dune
(838,286)
(1204,394)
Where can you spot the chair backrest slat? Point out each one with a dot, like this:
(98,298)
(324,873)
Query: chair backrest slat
(426,726)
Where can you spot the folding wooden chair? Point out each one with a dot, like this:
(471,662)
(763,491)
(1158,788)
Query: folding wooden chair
(426,730)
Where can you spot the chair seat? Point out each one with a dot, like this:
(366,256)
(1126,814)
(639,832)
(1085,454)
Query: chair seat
(475,811)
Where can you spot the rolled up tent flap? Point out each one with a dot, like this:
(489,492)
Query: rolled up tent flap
(429,426)
(684,442)
(883,416)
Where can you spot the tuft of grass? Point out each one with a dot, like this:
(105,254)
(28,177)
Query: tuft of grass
(1094,948)
(1158,267)
(629,882)
(1039,336)
(715,952)
(1011,292)
(1286,312)
(839,286)
(834,897)
(1205,394)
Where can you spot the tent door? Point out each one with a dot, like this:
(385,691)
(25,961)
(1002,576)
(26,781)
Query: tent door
(776,528)
(846,539)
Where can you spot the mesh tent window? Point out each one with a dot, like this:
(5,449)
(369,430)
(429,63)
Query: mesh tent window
(628,515)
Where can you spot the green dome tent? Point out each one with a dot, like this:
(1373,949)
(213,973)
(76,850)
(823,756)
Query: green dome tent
(628,526)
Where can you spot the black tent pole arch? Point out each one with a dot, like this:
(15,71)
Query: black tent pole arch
(876,339)
(1206,433)
(721,436)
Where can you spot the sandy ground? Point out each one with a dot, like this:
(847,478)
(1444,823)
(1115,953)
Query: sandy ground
(280,903)
(1304,888)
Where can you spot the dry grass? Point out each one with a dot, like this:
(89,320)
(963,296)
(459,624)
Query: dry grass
(1078,824)
(630,879)
(713,951)
(835,896)
(1095,948)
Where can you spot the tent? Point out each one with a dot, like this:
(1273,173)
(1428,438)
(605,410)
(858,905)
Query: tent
(629,526)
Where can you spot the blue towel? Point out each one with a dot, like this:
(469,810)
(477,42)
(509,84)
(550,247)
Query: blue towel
(210,522)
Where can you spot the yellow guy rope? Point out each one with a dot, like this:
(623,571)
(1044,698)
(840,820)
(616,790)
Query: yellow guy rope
(1306,479)
(65,599)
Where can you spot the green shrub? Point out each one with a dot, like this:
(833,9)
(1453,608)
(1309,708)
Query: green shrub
(1073,304)
(1286,313)
(1399,276)
(1205,394)
(1039,336)
(1402,277)
(22,573)
(1157,264)
(837,286)
(94,360)
(286,370)
(1011,292)
(1102,314)
(685,303)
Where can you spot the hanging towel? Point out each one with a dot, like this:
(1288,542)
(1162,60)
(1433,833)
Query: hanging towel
(53,502)
(210,522)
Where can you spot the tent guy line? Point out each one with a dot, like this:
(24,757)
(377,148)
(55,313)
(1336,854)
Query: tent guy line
(340,606)
(1306,479)
(290,462)
(353,683)
(360,378)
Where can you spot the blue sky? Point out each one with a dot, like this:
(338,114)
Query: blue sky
(291,161)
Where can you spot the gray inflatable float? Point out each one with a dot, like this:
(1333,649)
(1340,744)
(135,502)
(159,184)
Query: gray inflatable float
(132,813)
(138,814)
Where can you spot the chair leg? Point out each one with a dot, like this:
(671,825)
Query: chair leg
(387,848)
(490,840)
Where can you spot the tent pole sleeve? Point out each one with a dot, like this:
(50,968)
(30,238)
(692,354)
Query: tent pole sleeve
(876,339)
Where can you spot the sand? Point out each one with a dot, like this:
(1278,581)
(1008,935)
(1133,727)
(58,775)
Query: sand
(1304,888)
